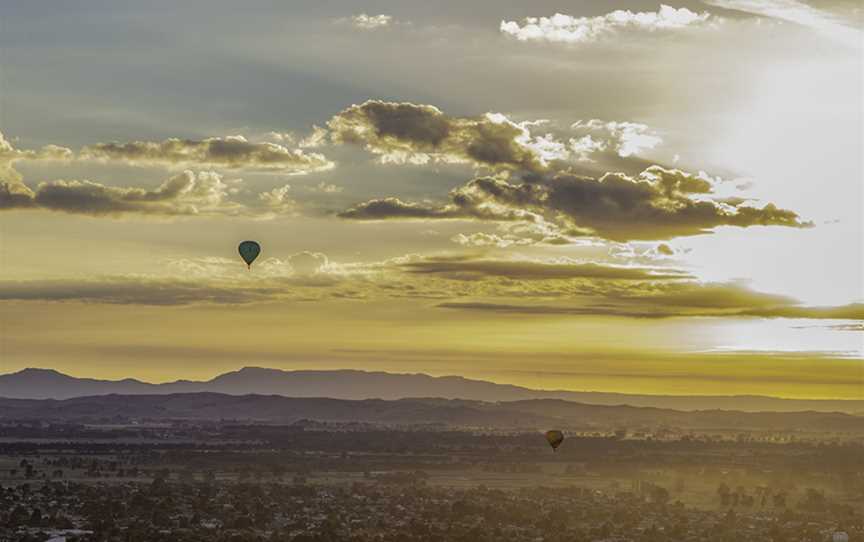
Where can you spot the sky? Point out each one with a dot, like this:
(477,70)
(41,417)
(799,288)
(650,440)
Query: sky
(615,196)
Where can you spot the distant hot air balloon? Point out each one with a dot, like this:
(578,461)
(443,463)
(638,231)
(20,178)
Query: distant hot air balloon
(554,438)
(249,250)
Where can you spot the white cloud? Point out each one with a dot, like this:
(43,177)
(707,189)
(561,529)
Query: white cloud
(562,28)
(279,199)
(369,22)
(325,188)
(624,138)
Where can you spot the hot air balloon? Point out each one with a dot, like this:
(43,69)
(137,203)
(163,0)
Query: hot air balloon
(554,438)
(249,250)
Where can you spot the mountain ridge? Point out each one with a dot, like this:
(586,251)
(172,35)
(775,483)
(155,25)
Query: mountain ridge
(353,384)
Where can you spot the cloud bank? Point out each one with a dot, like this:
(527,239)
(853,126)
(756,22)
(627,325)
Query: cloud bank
(231,152)
(419,134)
(185,194)
(657,204)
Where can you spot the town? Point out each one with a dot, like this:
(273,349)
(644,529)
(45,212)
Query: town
(331,482)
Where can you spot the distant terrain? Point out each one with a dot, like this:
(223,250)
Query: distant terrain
(356,385)
(455,413)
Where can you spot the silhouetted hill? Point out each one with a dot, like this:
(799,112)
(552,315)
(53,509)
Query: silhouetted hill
(541,413)
(355,385)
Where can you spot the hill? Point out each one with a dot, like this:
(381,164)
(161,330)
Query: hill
(357,385)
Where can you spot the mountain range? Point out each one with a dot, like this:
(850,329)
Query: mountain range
(360,385)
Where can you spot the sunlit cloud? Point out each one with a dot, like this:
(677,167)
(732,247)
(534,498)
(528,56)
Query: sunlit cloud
(9,154)
(623,138)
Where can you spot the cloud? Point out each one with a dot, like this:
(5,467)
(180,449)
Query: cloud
(279,200)
(286,138)
(318,138)
(480,239)
(677,299)
(232,152)
(853,311)
(562,28)
(694,295)
(307,263)
(187,193)
(195,281)
(476,269)
(538,232)
(550,310)
(368,22)
(128,290)
(9,154)
(15,195)
(664,250)
(835,26)
(462,282)
(419,134)
(657,204)
(394,208)
(625,139)
(325,188)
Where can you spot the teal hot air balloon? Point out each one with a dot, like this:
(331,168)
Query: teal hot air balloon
(249,250)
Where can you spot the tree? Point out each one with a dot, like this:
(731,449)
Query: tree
(35,518)
(724,492)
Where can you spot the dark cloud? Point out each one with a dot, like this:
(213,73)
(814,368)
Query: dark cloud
(853,311)
(475,269)
(394,208)
(228,152)
(658,203)
(665,250)
(15,195)
(127,291)
(406,132)
(678,299)
(715,296)
(550,310)
(187,193)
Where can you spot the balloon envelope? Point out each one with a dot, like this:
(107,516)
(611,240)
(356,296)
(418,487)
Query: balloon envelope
(249,250)
(554,438)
